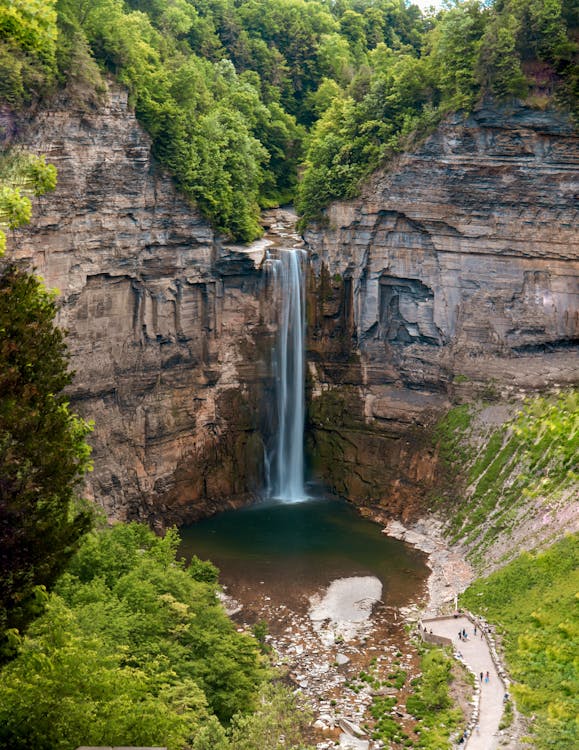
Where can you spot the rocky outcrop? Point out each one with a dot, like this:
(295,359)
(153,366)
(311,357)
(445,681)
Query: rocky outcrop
(169,331)
(454,274)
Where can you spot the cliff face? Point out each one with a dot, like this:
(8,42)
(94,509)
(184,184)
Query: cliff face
(169,332)
(455,274)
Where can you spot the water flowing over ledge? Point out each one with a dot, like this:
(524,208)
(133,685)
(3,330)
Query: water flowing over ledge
(289,374)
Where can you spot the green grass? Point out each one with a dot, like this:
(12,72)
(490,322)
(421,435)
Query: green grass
(534,454)
(429,704)
(451,436)
(533,601)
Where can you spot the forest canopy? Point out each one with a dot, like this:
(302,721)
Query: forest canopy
(135,649)
(241,96)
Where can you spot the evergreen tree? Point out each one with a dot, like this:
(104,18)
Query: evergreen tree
(43,453)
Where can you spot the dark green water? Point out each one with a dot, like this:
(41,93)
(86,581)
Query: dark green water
(289,551)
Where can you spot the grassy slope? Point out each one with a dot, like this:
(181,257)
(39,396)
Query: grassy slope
(534,602)
(518,476)
(509,473)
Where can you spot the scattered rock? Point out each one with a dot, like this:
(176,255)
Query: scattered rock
(350,728)
(353,743)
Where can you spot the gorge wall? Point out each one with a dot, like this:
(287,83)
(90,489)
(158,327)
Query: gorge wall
(169,332)
(454,275)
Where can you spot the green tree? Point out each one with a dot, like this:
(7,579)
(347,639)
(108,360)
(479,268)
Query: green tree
(70,687)
(22,175)
(43,453)
(278,724)
(499,62)
(211,736)
(134,647)
(28,43)
(454,50)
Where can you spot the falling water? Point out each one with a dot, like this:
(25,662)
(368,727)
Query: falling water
(288,454)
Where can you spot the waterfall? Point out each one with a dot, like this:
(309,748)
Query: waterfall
(289,373)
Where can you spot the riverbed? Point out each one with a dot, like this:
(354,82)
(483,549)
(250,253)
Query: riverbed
(334,591)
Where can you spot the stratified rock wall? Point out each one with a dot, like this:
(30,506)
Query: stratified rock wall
(456,273)
(169,333)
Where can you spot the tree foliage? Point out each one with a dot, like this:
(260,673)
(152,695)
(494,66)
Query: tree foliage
(22,176)
(135,648)
(229,88)
(473,49)
(43,452)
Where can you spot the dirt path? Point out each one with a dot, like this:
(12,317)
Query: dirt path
(476,654)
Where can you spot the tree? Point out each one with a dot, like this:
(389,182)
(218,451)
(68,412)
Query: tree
(499,63)
(28,40)
(280,723)
(21,175)
(43,453)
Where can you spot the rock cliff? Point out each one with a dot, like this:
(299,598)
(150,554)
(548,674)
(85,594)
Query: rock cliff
(454,275)
(169,332)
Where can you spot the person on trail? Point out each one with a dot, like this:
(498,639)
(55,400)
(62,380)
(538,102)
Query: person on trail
(487,676)
(481,676)
(475,631)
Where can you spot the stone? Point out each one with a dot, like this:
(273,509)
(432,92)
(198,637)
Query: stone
(348,742)
(453,275)
(350,728)
(342,659)
(169,329)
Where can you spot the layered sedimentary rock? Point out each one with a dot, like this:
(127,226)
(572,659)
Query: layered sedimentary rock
(455,274)
(169,332)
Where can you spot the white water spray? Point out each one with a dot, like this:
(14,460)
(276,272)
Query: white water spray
(289,372)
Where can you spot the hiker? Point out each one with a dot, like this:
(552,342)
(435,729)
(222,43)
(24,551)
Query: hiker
(481,676)
(464,634)
(487,676)
(475,631)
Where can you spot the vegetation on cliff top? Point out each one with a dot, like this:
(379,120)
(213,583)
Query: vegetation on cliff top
(229,90)
(22,176)
(534,602)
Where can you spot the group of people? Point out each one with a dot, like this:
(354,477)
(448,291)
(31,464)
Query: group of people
(463,635)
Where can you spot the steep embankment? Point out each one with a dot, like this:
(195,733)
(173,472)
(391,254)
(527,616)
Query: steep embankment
(513,476)
(453,276)
(168,331)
